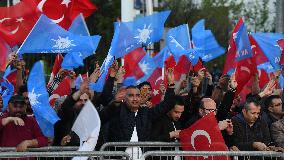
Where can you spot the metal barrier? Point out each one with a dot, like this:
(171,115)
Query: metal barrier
(63,154)
(136,149)
(42,149)
(181,154)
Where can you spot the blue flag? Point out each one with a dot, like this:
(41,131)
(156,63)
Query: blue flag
(7,91)
(75,59)
(243,44)
(267,67)
(148,66)
(38,96)
(161,57)
(281,81)
(142,31)
(178,40)
(79,26)
(8,71)
(205,41)
(268,44)
(72,60)
(129,81)
(47,37)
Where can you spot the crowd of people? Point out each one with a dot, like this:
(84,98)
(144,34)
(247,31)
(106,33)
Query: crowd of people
(127,114)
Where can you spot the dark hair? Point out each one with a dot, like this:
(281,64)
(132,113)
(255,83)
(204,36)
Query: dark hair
(179,100)
(249,101)
(23,89)
(268,100)
(143,84)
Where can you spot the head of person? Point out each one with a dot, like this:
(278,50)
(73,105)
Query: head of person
(81,101)
(178,109)
(146,91)
(251,111)
(274,105)
(133,98)
(207,105)
(17,106)
(23,90)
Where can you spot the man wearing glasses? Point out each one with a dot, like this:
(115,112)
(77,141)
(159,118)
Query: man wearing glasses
(208,105)
(19,130)
(274,109)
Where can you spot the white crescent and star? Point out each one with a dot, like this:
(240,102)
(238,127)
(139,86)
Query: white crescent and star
(20,19)
(243,68)
(199,133)
(157,80)
(64,2)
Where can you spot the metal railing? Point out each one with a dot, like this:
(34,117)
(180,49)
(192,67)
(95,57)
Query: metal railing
(136,149)
(236,154)
(42,149)
(105,146)
(64,154)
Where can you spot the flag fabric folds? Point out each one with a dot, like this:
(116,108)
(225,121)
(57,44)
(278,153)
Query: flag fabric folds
(243,44)
(269,46)
(54,39)
(38,96)
(203,137)
(230,63)
(205,42)
(64,12)
(17,21)
(142,31)
(75,60)
(4,52)
(87,126)
(178,40)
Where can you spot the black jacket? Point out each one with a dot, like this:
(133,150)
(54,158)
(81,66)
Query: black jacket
(244,135)
(121,120)
(162,127)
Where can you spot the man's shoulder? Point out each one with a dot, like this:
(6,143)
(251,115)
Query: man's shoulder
(279,123)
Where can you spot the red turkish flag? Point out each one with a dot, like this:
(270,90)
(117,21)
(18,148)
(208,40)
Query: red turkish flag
(281,45)
(183,66)
(230,62)
(131,61)
(17,21)
(64,11)
(263,78)
(4,51)
(203,137)
(155,80)
(56,67)
(62,90)
(245,70)
(258,56)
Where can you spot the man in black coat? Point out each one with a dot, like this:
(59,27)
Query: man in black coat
(250,131)
(167,128)
(126,117)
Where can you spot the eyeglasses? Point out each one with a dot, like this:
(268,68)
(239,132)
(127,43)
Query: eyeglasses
(85,100)
(211,110)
